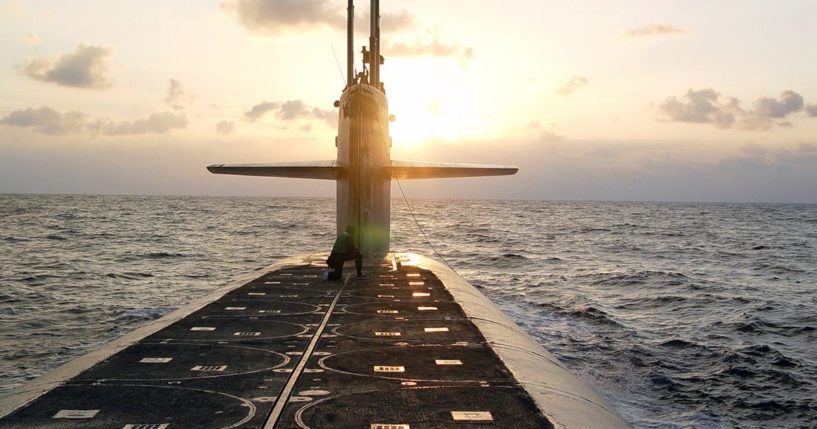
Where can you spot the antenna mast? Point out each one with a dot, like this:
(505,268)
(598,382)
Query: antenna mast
(374,45)
(350,43)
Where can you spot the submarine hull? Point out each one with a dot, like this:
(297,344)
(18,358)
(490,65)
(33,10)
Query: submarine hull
(413,346)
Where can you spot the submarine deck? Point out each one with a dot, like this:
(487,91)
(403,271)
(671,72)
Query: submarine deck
(290,350)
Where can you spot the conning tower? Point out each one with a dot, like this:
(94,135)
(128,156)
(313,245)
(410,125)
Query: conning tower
(363,168)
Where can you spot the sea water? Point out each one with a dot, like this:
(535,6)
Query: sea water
(680,315)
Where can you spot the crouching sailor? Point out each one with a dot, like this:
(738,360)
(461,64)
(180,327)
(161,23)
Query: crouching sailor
(344,250)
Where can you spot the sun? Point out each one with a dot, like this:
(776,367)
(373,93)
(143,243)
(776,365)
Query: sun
(429,103)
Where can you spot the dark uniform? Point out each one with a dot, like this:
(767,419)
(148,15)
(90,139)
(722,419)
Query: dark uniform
(344,250)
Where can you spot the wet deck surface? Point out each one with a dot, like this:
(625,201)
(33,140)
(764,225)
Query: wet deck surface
(291,350)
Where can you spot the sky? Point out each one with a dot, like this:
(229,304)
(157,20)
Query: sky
(592,100)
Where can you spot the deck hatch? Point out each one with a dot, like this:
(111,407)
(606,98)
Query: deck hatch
(75,414)
(156,360)
(473,416)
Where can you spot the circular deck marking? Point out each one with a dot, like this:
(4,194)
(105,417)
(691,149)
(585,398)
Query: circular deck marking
(507,408)
(225,329)
(419,363)
(411,330)
(212,409)
(404,307)
(190,361)
(245,307)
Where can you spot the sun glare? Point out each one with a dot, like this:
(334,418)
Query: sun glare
(430,103)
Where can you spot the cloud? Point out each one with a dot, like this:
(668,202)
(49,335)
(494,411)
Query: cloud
(811,110)
(176,97)
(47,120)
(290,110)
(653,30)
(574,84)
(275,17)
(259,110)
(393,22)
(86,67)
(225,127)
(156,123)
(699,107)
(434,48)
(708,106)
(789,102)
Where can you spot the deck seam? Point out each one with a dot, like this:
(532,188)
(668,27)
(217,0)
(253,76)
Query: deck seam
(283,397)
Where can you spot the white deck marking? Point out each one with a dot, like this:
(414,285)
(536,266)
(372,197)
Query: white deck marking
(426,308)
(203,328)
(389,368)
(448,362)
(473,416)
(440,329)
(156,360)
(75,414)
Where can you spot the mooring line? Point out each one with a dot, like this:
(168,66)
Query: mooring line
(283,398)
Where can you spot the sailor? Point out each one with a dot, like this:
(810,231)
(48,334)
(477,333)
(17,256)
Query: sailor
(344,250)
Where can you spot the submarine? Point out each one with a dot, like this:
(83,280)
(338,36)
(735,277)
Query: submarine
(414,345)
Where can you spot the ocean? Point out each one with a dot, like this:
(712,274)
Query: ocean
(680,315)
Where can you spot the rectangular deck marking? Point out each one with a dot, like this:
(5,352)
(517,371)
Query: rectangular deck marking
(387,311)
(209,368)
(247,334)
(387,334)
(448,362)
(283,398)
(387,368)
(156,360)
(417,283)
(386,284)
(442,329)
(413,275)
(385,296)
(287,296)
(427,308)
(235,308)
(473,416)
(389,426)
(272,283)
(269,311)
(203,329)
(75,414)
(257,293)
(146,426)
(420,294)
